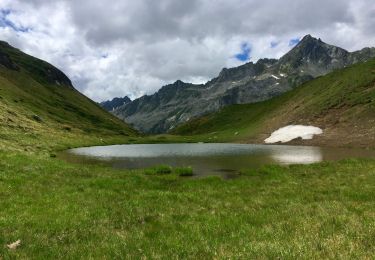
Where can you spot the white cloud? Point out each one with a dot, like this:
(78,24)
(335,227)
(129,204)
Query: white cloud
(132,48)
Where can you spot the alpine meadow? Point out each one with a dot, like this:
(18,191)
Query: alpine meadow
(187,130)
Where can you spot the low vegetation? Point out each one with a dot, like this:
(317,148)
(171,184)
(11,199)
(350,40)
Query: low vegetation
(165,169)
(159,169)
(184,171)
(60,210)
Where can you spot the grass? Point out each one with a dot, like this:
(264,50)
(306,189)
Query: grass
(159,169)
(60,210)
(184,171)
(36,115)
(165,169)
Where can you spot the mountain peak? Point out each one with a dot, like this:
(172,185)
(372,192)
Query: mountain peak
(309,40)
(177,82)
(308,37)
(313,55)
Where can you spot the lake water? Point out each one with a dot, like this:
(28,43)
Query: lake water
(225,160)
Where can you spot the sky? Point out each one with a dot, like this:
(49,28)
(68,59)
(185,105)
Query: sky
(126,47)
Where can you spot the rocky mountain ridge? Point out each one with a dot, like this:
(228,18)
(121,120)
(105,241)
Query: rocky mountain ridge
(179,102)
(113,104)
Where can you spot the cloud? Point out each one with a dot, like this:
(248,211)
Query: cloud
(125,47)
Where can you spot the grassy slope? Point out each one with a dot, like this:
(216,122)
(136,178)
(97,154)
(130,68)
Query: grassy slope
(61,210)
(66,114)
(342,103)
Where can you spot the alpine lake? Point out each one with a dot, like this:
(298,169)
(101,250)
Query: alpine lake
(208,159)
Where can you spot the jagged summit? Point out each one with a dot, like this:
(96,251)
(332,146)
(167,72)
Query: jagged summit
(315,57)
(308,38)
(178,82)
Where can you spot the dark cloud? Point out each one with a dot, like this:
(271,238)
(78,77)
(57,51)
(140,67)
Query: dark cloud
(149,20)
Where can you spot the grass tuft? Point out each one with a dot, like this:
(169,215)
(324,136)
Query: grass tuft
(184,171)
(159,169)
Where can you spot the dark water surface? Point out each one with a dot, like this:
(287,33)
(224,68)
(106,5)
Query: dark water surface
(225,160)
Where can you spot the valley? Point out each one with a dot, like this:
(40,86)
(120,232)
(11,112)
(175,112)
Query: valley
(59,209)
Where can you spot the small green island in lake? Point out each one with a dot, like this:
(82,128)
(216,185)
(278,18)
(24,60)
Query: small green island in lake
(311,198)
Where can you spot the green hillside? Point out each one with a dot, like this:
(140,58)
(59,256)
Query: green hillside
(342,103)
(40,108)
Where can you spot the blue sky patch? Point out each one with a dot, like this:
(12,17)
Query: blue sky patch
(5,22)
(294,42)
(245,52)
(274,44)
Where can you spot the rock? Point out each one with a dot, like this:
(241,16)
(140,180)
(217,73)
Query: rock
(110,105)
(37,118)
(14,245)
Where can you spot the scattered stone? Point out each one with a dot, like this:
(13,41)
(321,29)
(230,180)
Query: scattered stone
(37,118)
(14,245)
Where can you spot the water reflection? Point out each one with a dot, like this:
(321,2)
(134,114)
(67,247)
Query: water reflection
(297,155)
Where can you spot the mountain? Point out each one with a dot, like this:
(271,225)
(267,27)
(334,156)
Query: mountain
(111,105)
(39,105)
(341,103)
(180,102)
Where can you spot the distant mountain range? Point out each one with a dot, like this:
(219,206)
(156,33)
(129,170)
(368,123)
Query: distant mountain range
(180,102)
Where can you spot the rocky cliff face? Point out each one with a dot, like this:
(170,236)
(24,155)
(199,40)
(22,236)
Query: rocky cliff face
(252,82)
(111,105)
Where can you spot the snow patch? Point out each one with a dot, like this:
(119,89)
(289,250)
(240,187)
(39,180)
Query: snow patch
(275,77)
(283,75)
(173,118)
(291,132)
